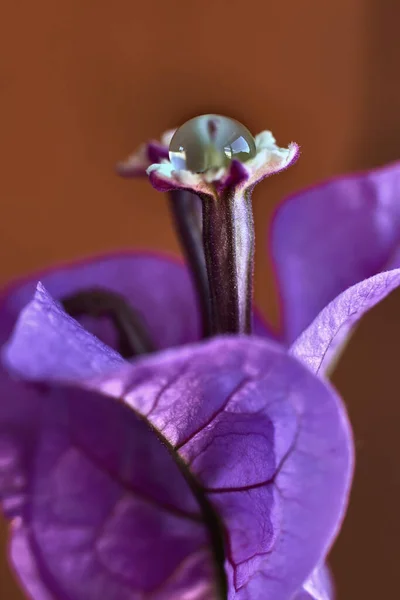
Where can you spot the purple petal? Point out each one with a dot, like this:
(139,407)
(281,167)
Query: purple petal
(318,586)
(47,344)
(137,163)
(318,346)
(157,152)
(331,237)
(268,441)
(163,184)
(236,175)
(107,512)
(261,328)
(158,288)
(19,409)
(24,563)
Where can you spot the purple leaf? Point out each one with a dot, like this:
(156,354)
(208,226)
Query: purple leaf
(49,344)
(318,586)
(19,412)
(107,512)
(269,443)
(318,345)
(158,288)
(331,237)
(24,563)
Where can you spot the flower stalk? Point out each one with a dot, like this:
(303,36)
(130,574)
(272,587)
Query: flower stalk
(186,212)
(133,337)
(228,238)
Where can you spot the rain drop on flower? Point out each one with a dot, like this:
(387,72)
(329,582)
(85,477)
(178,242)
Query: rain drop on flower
(210,142)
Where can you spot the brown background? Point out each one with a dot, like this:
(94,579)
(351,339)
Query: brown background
(83,82)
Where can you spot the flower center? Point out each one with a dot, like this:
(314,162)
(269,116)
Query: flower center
(210,142)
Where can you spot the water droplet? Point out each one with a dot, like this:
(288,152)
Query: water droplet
(209,142)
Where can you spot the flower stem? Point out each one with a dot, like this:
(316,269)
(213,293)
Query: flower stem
(228,237)
(186,212)
(133,337)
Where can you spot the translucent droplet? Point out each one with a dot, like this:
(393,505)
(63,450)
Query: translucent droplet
(209,142)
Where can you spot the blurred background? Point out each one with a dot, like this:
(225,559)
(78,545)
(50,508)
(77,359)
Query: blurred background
(83,82)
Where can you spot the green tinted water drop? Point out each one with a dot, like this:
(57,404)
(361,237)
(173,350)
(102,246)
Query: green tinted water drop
(210,142)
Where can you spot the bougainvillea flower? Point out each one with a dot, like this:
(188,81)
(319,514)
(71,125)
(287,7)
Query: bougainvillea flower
(202,469)
(90,486)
